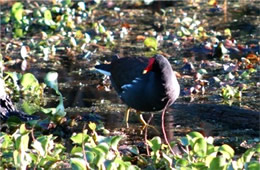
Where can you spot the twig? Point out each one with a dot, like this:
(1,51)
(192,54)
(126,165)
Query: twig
(163,129)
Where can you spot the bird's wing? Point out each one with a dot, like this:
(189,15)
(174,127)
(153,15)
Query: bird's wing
(125,70)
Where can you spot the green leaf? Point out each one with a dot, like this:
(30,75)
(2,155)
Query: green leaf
(92,126)
(47,143)
(195,134)
(78,164)
(104,147)
(47,15)
(38,147)
(6,140)
(66,2)
(258,148)
(199,166)
(200,147)
(18,32)
(29,108)
(17,11)
(79,138)
(18,15)
(227,151)
(217,163)
(76,150)
(114,142)
(248,155)
(16,6)
(155,143)
(23,129)
(212,150)
(90,156)
(209,159)
(28,80)
(182,162)
(254,165)
(16,157)
(151,42)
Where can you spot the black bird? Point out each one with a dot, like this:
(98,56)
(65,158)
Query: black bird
(144,84)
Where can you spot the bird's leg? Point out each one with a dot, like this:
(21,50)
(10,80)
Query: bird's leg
(145,125)
(127,116)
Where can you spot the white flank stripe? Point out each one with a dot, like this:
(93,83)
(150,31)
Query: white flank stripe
(126,86)
(104,72)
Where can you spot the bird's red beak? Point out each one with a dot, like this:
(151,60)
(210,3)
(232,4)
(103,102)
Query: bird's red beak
(149,66)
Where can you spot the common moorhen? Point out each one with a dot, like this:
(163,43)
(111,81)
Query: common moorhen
(144,84)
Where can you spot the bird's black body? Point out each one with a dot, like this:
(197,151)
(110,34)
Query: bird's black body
(144,92)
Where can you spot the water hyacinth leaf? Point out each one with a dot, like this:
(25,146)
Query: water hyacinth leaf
(226,151)
(151,42)
(200,147)
(28,80)
(114,142)
(78,164)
